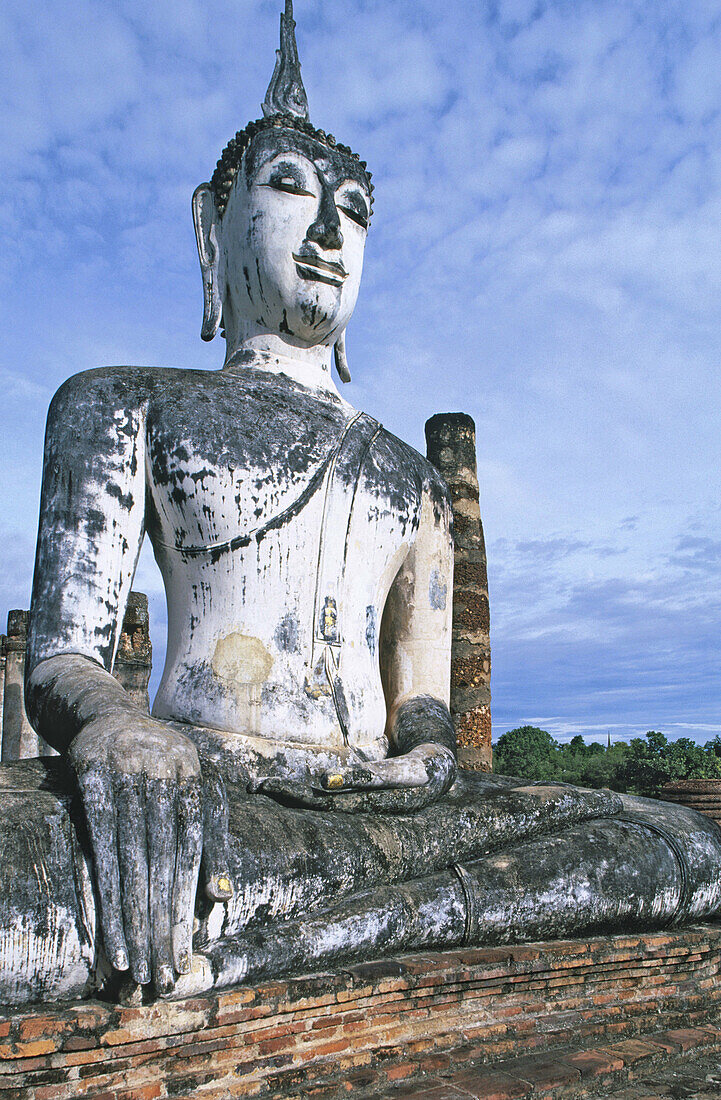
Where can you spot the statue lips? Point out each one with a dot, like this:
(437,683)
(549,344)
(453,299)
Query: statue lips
(311,266)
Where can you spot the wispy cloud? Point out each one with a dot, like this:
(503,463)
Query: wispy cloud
(545,254)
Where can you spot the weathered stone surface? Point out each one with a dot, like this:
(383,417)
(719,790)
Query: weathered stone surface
(345,888)
(305,551)
(451,446)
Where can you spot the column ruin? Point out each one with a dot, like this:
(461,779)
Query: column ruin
(451,447)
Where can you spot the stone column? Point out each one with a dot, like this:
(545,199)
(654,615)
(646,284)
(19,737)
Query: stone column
(19,739)
(134,659)
(451,447)
(3,654)
(132,669)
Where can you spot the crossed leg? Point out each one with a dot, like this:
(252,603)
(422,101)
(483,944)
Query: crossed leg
(651,866)
(493,862)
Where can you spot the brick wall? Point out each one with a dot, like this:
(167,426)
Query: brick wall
(367,1025)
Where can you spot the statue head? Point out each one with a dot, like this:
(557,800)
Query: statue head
(281,227)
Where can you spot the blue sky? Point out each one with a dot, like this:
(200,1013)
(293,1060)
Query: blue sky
(545,255)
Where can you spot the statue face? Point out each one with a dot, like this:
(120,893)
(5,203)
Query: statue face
(293,236)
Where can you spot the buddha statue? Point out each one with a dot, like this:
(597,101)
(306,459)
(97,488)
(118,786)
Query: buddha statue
(294,800)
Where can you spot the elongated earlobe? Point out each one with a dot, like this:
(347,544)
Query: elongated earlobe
(341,360)
(212,308)
(205,221)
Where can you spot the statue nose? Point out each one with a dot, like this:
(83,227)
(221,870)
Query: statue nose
(325,230)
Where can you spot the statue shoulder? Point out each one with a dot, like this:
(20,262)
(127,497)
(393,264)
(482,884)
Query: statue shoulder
(93,395)
(100,381)
(415,467)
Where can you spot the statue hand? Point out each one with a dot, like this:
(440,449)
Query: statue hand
(401,784)
(152,815)
(430,766)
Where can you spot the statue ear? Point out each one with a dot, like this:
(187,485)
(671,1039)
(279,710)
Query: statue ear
(341,359)
(205,219)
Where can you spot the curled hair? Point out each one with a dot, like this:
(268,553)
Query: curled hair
(227,168)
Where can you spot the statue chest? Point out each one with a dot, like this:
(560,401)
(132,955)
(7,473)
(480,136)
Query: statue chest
(250,480)
(276,580)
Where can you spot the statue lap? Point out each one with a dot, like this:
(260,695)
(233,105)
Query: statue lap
(293,869)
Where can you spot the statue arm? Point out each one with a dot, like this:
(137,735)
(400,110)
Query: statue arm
(415,644)
(149,811)
(91,527)
(415,654)
(415,658)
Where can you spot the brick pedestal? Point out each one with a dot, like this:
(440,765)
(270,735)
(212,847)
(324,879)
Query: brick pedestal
(703,795)
(367,1025)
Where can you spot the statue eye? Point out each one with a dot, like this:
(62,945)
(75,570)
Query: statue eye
(292,185)
(355,215)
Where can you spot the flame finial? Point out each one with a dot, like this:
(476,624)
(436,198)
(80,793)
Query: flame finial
(285,107)
(286,94)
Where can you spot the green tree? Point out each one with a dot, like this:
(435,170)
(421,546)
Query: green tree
(641,767)
(587,765)
(651,763)
(714,746)
(527,752)
(532,753)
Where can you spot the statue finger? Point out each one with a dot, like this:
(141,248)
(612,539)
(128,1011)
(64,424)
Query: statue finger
(399,772)
(293,792)
(442,770)
(160,809)
(133,856)
(357,776)
(187,866)
(216,856)
(96,790)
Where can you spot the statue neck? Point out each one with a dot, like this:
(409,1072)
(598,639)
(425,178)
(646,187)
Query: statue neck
(310,366)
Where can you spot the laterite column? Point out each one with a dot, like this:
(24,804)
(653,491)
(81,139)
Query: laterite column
(134,659)
(132,669)
(19,739)
(3,660)
(451,447)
